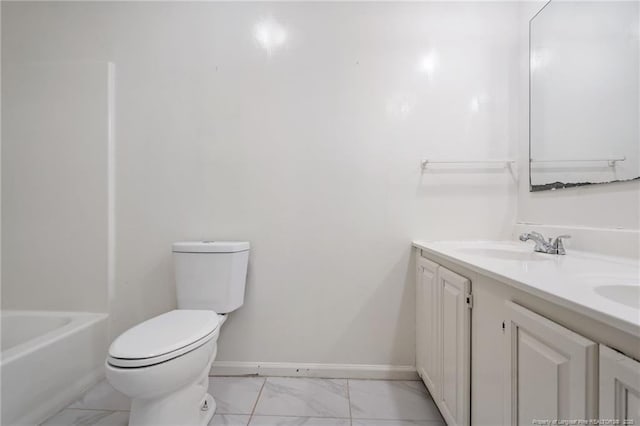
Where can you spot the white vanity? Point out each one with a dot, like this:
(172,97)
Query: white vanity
(506,336)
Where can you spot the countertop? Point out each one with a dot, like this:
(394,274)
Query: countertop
(605,288)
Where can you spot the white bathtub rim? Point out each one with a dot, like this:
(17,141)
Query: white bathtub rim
(79,321)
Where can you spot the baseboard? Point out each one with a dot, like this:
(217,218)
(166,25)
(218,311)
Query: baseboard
(327,371)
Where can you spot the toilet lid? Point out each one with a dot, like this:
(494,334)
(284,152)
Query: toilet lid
(164,334)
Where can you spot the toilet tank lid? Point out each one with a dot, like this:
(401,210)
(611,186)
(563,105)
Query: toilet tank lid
(210,246)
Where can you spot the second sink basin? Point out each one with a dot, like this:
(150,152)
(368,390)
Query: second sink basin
(626,294)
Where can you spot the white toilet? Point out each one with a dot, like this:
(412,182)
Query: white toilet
(163,364)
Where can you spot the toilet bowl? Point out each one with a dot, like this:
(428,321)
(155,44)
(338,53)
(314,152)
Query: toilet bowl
(163,364)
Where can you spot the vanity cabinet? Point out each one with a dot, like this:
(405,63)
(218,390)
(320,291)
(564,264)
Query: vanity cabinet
(505,355)
(550,370)
(428,363)
(619,387)
(443,344)
(455,340)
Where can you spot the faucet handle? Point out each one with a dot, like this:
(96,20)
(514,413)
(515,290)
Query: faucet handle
(537,234)
(528,235)
(559,245)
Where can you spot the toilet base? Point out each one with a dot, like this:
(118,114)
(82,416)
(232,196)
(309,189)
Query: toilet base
(189,406)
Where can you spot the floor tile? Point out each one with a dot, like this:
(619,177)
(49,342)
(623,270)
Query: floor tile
(297,421)
(71,416)
(304,397)
(369,422)
(235,395)
(229,420)
(387,399)
(103,397)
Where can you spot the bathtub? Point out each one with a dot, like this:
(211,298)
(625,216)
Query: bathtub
(47,360)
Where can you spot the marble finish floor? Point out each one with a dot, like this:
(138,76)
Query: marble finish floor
(279,401)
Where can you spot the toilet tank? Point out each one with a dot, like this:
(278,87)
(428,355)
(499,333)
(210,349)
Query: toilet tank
(211,275)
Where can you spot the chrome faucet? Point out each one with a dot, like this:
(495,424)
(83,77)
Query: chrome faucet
(542,245)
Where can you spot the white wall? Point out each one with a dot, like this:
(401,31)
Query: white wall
(310,149)
(600,217)
(55,206)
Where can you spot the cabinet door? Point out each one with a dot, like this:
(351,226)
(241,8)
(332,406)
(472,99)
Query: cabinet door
(455,343)
(427,335)
(619,387)
(551,371)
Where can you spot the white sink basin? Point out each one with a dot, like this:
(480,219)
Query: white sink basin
(506,254)
(624,290)
(621,289)
(626,294)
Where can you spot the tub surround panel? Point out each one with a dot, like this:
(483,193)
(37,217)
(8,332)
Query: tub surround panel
(55,184)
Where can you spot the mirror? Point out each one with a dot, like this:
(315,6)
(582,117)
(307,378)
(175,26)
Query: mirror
(584,93)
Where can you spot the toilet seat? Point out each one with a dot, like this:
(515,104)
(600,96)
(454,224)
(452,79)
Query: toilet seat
(163,338)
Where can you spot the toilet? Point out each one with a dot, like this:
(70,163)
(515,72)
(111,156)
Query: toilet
(163,363)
